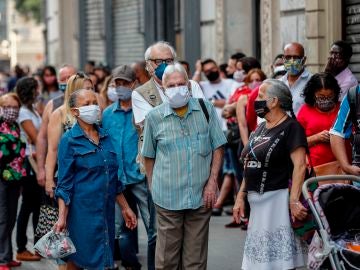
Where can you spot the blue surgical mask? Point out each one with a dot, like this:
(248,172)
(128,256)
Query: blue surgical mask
(159,71)
(124,93)
(62,87)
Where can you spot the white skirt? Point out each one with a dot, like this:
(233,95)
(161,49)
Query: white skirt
(270,242)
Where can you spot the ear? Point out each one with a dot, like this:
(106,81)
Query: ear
(274,102)
(75,112)
(304,60)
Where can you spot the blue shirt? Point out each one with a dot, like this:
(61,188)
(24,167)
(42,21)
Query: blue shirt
(182,148)
(343,123)
(119,124)
(88,184)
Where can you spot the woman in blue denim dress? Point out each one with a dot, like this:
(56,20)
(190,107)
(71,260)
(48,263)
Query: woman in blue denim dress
(88,186)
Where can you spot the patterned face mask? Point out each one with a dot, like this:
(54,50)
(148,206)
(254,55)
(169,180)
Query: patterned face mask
(10,114)
(293,66)
(325,104)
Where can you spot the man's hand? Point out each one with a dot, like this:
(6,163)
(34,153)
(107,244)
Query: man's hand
(130,218)
(41,177)
(210,193)
(49,187)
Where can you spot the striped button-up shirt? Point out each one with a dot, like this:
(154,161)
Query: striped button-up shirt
(182,148)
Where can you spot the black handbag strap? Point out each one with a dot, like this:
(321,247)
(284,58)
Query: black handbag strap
(204,109)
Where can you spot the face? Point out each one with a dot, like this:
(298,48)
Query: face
(230,69)
(9,102)
(336,52)
(88,85)
(65,73)
(158,56)
(175,79)
(239,66)
(262,92)
(324,94)
(121,82)
(293,52)
(210,67)
(48,77)
(85,98)
(255,77)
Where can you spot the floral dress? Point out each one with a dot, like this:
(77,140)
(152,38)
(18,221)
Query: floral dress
(12,152)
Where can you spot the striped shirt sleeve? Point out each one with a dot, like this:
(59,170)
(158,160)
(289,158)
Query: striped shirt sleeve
(343,124)
(149,143)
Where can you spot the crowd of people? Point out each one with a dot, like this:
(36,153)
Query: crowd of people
(153,139)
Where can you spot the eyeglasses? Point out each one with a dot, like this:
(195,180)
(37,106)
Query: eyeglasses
(160,61)
(295,57)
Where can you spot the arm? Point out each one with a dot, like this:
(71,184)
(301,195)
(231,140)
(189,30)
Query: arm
(30,130)
(321,137)
(54,134)
(219,103)
(128,214)
(211,187)
(239,206)
(60,225)
(198,69)
(339,150)
(149,166)
(298,158)
(41,144)
(241,118)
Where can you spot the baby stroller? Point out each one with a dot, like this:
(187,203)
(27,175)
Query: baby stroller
(336,210)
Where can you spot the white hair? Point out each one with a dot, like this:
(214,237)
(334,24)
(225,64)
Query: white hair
(160,44)
(173,68)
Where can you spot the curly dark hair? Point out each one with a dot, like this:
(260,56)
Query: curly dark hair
(26,89)
(318,81)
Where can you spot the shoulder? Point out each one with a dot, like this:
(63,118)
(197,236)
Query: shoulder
(109,109)
(141,89)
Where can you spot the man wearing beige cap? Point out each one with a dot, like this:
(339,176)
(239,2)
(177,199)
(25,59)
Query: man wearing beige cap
(118,120)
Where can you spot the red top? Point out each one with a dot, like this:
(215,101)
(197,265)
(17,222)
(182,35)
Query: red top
(251,116)
(242,90)
(314,121)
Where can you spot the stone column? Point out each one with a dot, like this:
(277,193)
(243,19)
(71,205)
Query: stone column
(219,32)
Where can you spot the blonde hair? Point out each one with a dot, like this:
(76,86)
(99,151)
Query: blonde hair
(13,96)
(75,82)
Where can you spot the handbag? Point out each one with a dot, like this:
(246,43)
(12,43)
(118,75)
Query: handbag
(48,216)
(306,228)
(233,134)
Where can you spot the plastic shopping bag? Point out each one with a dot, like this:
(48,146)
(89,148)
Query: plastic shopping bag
(55,245)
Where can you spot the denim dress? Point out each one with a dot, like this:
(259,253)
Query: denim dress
(88,183)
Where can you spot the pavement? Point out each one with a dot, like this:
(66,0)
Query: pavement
(225,247)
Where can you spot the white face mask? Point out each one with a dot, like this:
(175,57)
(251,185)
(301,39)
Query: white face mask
(89,114)
(239,75)
(111,94)
(178,96)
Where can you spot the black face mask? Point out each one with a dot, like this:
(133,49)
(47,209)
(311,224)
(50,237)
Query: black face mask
(213,76)
(261,108)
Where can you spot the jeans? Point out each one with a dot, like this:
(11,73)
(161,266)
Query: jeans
(31,199)
(137,195)
(9,195)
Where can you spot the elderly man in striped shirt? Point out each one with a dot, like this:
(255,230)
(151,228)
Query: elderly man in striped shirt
(183,153)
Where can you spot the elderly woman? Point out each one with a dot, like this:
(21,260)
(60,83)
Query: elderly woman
(12,170)
(275,153)
(182,156)
(88,186)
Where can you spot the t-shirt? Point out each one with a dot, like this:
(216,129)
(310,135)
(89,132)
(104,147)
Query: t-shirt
(268,165)
(314,121)
(241,91)
(26,114)
(218,91)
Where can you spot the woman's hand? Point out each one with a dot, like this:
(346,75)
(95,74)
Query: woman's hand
(130,218)
(49,187)
(60,225)
(297,210)
(239,208)
(324,136)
